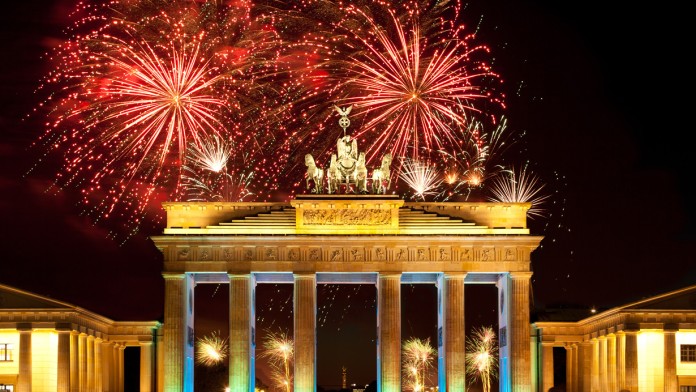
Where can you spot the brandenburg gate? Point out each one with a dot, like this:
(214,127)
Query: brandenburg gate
(373,239)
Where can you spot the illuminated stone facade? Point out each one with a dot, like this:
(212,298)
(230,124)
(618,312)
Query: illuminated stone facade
(645,346)
(48,345)
(375,239)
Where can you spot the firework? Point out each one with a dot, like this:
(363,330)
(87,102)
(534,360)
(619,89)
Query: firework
(522,187)
(279,350)
(422,177)
(418,356)
(211,350)
(140,82)
(482,356)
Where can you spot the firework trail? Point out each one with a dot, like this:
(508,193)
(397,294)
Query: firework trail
(417,358)
(211,350)
(279,350)
(520,187)
(482,356)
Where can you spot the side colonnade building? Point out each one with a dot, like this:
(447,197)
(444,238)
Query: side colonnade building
(648,345)
(47,346)
(374,239)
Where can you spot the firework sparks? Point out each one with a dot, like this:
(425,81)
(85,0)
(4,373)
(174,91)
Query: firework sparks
(211,350)
(415,92)
(418,357)
(280,350)
(522,187)
(421,177)
(482,356)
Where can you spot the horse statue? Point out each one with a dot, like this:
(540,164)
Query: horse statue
(315,174)
(333,176)
(361,174)
(382,175)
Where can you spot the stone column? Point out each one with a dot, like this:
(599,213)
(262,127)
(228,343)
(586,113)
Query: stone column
(305,309)
(670,373)
(74,362)
(547,366)
(389,332)
(584,366)
(594,372)
(603,380)
(178,334)
(121,374)
(519,331)
(160,360)
(98,364)
(107,366)
(241,310)
(115,370)
(145,366)
(631,361)
(620,360)
(82,361)
(454,332)
(569,368)
(63,382)
(24,378)
(611,363)
(90,363)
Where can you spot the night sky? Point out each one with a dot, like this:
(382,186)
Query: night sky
(601,94)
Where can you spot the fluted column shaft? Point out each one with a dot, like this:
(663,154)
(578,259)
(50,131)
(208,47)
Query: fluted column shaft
(145,366)
(670,374)
(305,305)
(631,361)
(178,312)
(454,332)
(121,369)
(24,379)
(63,361)
(595,364)
(547,366)
(98,364)
(519,332)
(569,369)
(107,366)
(82,361)
(241,303)
(90,363)
(74,362)
(620,360)
(603,379)
(584,367)
(115,365)
(611,363)
(389,332)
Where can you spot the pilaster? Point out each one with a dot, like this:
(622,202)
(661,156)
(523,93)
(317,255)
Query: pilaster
(670,373)
(241,310)
(389,332)
(305,305)
(24,378)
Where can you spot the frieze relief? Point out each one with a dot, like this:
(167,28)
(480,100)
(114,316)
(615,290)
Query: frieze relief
(345,254)
(368,217)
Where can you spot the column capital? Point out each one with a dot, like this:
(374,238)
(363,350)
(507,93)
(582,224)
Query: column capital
(173,276)
(521,274)
(304,275)
(24,327)
(239,276)
(670,328)
(455,275)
